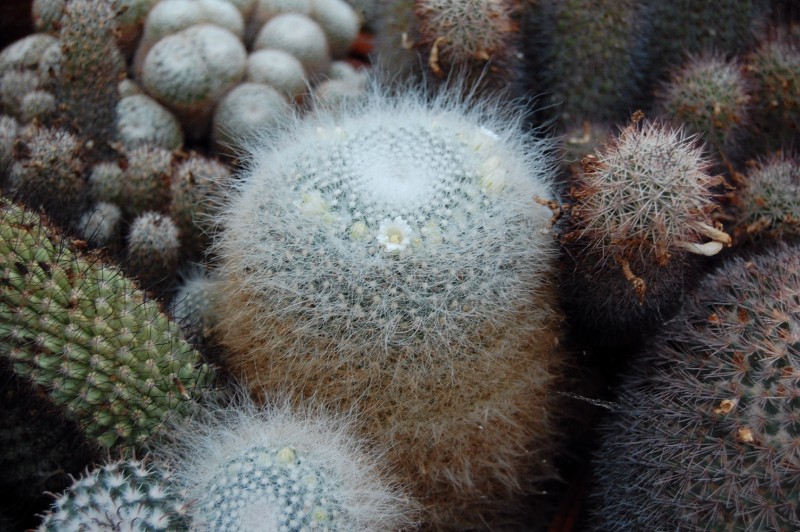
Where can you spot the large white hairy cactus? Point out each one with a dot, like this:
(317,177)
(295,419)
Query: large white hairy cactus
(392,257)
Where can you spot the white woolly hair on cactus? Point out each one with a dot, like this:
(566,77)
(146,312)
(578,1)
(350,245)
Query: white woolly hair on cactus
(443,170)
(244,467)
(389,254)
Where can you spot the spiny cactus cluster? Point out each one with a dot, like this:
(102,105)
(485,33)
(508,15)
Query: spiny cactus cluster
(389,253)
(705,434)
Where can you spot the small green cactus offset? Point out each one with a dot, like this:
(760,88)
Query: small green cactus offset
(88,337)
(121,495)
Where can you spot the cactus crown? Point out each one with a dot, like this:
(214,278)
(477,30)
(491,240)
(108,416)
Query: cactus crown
(393,221)
(247,468)
(123,495)
(648,191)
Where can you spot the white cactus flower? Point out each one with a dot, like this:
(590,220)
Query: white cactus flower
(394,234)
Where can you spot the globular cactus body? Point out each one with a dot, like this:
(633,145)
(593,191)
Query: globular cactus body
(768,201)
(246,468)
(640,215)
(709,96)
(121,495)
(705,436)
(402,267)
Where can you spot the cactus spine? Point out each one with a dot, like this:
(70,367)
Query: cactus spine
(706,433)
(403,268)
(640,215)
(120,495)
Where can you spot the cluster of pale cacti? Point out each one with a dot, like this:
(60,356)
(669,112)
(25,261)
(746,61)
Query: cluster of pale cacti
(329,265)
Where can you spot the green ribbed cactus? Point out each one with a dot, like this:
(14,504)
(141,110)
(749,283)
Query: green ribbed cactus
(706,434)
(121,495)
(87,338)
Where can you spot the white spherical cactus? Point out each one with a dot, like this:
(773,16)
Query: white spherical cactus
(142,120)
(100,225)
(340,22)
(391,256)
(9,128)
(244,112)
(25,53)
(266,9)
(171,16)
(278,68)
(122,495)
(189,70)
(274,469)
(300,36)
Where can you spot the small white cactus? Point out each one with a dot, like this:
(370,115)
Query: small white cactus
(340,23)
(189,70)
(246,468)
(278,68)
(244,112)
(171,16)
(100,224)
(26,52)
(300,36)
(142,120)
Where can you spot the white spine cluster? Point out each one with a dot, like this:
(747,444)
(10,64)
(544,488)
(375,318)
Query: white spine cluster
(395,224)
(244,468)
(124,495)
